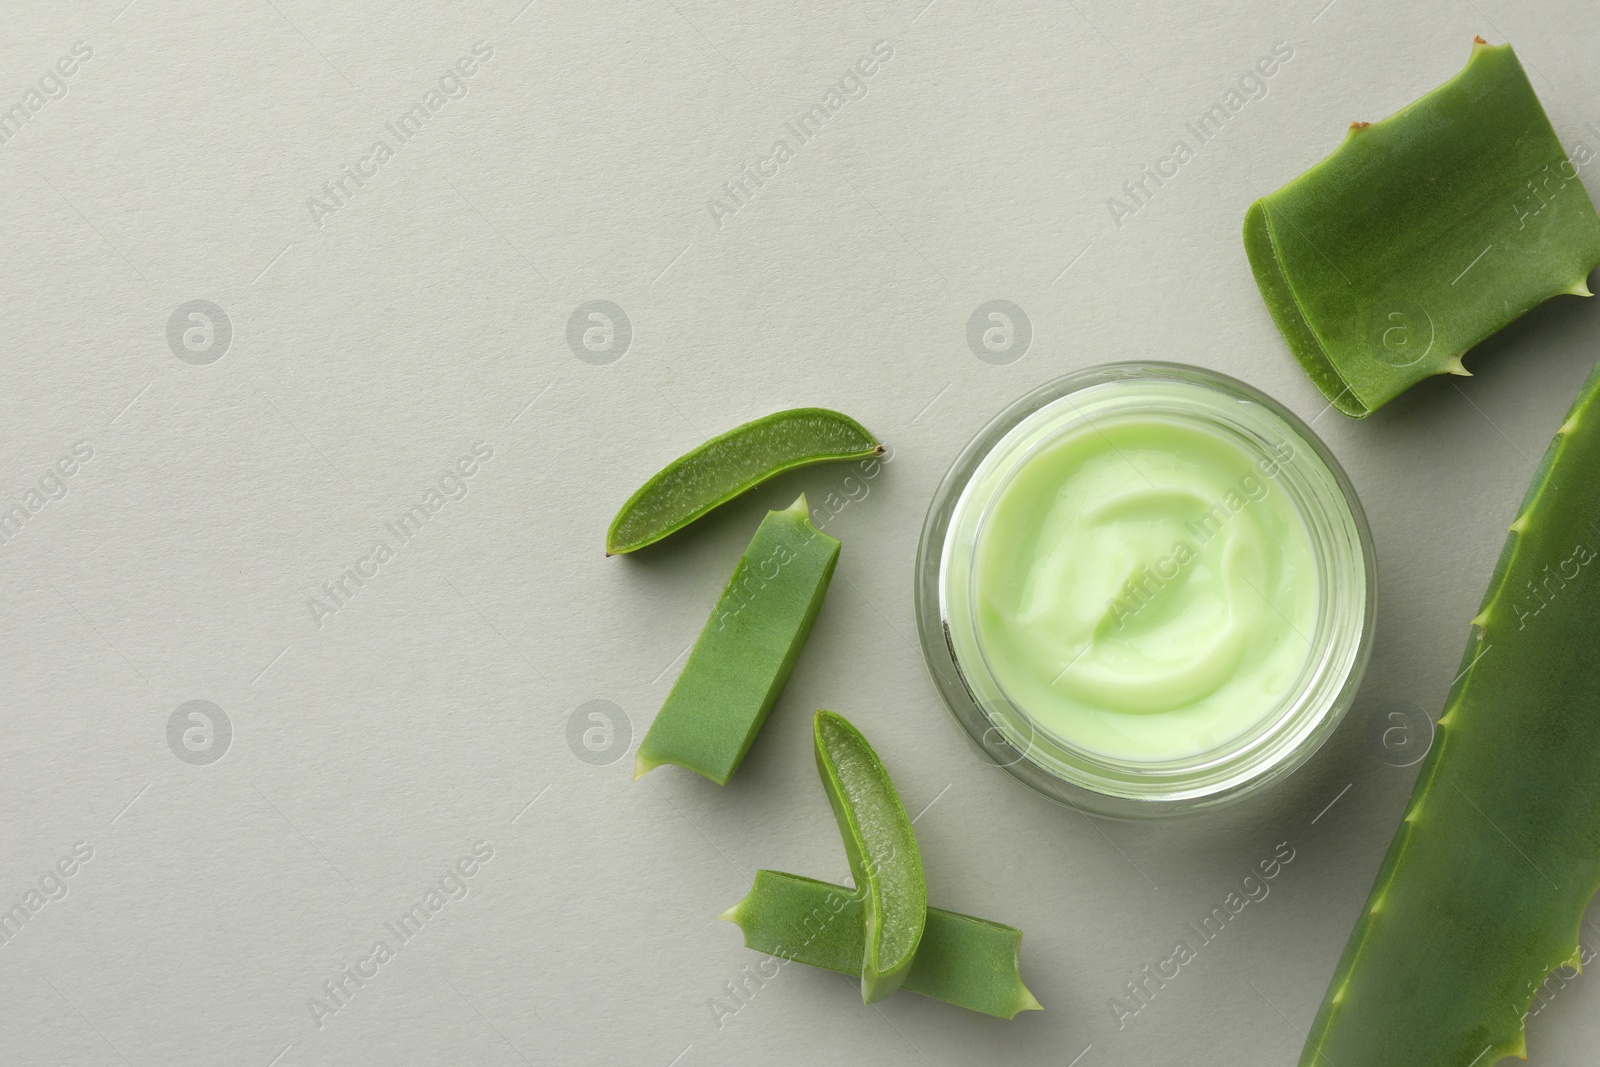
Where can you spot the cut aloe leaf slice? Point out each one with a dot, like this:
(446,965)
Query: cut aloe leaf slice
(746,651)
(1423,234)
(884,858)
(962,960)
(725,466)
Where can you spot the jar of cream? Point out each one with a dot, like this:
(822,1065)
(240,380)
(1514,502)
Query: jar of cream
(1146,589)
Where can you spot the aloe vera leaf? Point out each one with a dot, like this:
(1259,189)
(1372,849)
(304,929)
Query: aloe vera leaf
(884,858)
(1422,235)
(728,465)
(1485,883)
(746,651)
(962,960)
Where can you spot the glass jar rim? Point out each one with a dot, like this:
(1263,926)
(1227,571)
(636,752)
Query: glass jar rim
(1006,736)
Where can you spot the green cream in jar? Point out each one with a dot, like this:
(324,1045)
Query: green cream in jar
(1144,586)
(1146,589)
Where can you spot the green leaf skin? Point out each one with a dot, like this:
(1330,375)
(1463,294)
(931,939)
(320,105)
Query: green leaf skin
(969,962)
(726,466)
(1485,883)
(1422,235)
(884,858)
(746,651)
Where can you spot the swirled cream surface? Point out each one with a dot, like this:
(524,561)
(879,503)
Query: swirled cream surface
(1145,587)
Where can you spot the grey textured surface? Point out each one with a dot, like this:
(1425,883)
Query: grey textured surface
(442,705)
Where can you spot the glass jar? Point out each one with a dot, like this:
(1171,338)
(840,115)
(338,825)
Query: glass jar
(1043,747)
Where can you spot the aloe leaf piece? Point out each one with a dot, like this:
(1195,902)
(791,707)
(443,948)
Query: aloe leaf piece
(1487,878)
(746,651)
(884,858)
(729,464)
(962,960)
(1423,234)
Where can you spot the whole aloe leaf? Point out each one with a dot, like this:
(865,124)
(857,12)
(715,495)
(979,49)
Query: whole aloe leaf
(1422,235)
(1485,883)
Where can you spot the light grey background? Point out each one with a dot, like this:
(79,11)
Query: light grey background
(428,312)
